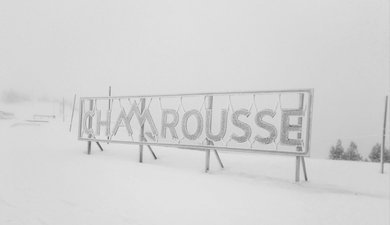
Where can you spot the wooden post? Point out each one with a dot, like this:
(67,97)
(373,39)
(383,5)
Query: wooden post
(71,118)
(384,137)
(141,135)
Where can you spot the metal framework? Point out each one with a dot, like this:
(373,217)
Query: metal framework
(207,145)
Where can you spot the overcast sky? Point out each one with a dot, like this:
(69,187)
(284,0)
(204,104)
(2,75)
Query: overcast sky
(338,47)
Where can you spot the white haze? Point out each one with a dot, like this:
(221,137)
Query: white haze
(338,47)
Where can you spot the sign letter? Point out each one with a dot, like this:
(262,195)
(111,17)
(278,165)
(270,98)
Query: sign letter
(88,116)
(266,126)
(223,125)
(171,125)
(287,127)
(244,126)
(199,127)
(100,123)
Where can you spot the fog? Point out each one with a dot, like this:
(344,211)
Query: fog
(55,49)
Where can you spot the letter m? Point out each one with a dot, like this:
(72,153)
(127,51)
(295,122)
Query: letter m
(142,118)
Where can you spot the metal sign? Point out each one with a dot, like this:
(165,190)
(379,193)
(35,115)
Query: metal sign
(277,122)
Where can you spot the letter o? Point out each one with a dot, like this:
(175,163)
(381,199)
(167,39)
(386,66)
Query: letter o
(198,116)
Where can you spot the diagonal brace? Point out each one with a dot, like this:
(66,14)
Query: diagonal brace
(98,144)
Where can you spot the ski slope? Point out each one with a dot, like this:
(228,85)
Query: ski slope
(46,177)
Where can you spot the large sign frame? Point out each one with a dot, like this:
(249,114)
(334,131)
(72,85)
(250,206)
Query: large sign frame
(87,114)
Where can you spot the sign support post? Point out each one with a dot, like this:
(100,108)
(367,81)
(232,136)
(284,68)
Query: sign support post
(89,127)
(299,148)
(304,167)
(71,118)
(207,165)
(207,162)
(109,100)
(142,137)
(297,168)
(109,108)
(384,137)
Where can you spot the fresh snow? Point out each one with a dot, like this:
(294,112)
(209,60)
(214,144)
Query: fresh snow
(46,177)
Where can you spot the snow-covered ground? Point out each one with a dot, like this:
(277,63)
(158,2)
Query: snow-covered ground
(46,177)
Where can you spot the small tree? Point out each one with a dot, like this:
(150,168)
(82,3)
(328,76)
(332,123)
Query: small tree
(352,153)
(386,156)
(336,152)
(375,154)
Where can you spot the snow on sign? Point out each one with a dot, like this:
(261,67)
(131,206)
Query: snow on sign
(276,122)
(264,121)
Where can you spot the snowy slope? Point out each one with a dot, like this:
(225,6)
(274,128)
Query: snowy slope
(46,177)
